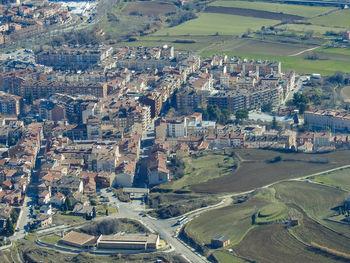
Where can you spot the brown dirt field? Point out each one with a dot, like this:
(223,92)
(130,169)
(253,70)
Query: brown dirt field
(273,244)
(150,8)
(252,13)
(255,172)
(311,231)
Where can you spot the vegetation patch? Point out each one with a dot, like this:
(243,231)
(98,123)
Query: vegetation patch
(50,239)
(201,168)
(171,204)
(112,226)
(271,213)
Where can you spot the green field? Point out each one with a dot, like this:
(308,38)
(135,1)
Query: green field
(340,178)
(271,212)
(316,200)
(316,28)
(337,19)
(210,24)
(232,221)
(341,51)
(300,10)
(50,239)
(226,257)
(200,169)
(310,203)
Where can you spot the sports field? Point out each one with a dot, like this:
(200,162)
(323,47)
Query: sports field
(337,19)
(210,24)
(305,11)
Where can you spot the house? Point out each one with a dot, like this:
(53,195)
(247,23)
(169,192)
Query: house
(43,220)
(220,241)
(82,210)
(44,197)
(157,170)
(125,173)
(58,199)
(46,209)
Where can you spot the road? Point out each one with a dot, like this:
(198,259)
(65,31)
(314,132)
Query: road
(25,215)
(164,227)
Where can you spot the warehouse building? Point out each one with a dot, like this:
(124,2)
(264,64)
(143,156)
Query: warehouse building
(128,241)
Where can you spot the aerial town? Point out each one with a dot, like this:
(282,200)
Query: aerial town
(136,151)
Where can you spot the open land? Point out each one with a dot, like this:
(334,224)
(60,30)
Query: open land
(272,240)
(256,171)
(251,13)
(202,168)
(338,19)
(345,93)
(299,10)
(154,8)
(273,243)
(340,179)
(306,27)
(210,24)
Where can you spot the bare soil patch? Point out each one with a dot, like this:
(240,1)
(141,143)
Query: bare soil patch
(252,13)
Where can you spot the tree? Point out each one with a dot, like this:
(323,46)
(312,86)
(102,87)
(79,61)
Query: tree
(274,123)
(296,119)
(68,204)
(338,78)
(9,231)
(93,212)
(107,213)
(241,115)
(266,107)
(301,102)
(225,116)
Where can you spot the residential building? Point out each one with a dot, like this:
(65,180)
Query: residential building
(10,104)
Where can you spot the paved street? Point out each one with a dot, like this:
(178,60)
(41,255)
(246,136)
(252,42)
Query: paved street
(165,228)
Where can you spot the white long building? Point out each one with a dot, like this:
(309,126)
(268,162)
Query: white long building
(335,120)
